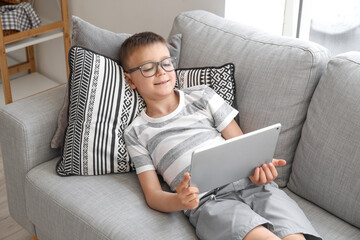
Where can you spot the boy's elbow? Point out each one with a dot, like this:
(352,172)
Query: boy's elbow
(150,202)
(156,202)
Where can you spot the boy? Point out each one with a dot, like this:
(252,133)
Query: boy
(174,123)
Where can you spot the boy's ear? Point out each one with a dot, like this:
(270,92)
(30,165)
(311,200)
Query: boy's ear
(129,81)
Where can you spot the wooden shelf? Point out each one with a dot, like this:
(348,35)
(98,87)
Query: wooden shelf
(10,47)
(27,39)
(32,32)
(28,85)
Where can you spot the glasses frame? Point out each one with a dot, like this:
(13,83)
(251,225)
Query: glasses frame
(173,60)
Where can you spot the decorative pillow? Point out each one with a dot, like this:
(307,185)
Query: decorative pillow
(101,106)
(221,79)
(103,42)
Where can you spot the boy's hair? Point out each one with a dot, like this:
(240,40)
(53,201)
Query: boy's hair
(135,41)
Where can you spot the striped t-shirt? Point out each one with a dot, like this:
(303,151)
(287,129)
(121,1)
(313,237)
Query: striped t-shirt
(165,144)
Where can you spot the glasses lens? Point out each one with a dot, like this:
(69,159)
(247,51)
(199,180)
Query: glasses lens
(148,69)
(168,64)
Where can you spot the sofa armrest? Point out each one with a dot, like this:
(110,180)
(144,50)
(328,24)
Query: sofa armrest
(27,127)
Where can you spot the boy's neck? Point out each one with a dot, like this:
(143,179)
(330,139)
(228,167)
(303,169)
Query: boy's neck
(163,107)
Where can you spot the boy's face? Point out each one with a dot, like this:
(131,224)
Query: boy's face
(157,87)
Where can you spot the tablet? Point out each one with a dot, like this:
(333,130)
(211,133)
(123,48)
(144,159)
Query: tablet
(236,158)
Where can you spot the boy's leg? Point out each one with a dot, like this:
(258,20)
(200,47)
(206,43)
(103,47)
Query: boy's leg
(294,237)
(261,232)
(276,206)
(223,216)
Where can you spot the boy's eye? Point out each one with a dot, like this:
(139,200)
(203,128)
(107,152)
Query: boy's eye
(148,68)
(166,63)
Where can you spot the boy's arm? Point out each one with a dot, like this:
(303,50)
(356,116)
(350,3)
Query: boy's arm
(231,130)
(263,174)
(186,197)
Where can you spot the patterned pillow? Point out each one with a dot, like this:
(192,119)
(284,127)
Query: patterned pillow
(101,106)
(221,79)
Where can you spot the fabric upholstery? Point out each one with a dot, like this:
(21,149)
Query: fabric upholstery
(97,207)
(26,129)
(326,165)
(99,40)
(275,76)
(326,224)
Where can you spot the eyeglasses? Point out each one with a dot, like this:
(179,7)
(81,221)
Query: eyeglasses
(151,68)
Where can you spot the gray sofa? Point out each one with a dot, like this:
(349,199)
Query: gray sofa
(278,79)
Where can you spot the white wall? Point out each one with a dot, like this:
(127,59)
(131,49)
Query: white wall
(128,16)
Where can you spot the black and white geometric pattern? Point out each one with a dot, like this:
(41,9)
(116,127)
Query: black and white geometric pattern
(19,17)
(221,79)
(101,106)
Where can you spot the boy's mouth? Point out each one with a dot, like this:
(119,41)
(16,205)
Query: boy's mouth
(161,83)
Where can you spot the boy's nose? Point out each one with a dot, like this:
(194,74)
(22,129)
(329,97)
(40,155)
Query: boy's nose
(160,71)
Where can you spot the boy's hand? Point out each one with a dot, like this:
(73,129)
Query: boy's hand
(267,172)
(188,196)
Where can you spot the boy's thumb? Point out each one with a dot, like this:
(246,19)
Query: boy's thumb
(279,162)
(186,178)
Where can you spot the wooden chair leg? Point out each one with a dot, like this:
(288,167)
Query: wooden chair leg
(5,76)
(4,69)
(34,238)
(66,31)
(30,57)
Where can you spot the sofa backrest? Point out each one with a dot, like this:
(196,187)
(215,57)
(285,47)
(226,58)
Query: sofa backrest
(275,76)
(327,161)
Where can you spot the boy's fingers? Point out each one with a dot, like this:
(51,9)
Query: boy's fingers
(184,182)
(190,197)
(192,204)
(255,178)
(279,162)
(268,174)
(273,170)
(190,190)
(193,190)
(262,179)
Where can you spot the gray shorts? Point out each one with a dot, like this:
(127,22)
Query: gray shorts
(232,211)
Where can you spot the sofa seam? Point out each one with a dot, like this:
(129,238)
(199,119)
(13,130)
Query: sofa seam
(63,207)
(346,59)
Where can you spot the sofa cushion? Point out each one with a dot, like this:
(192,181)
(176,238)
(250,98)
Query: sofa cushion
(101,106)
(106,43)
(221,79)
(97,207)
(326,224)
(275,76)
(326,165)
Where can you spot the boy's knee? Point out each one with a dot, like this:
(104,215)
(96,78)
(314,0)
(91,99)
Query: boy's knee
(298,236)
(260,232)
